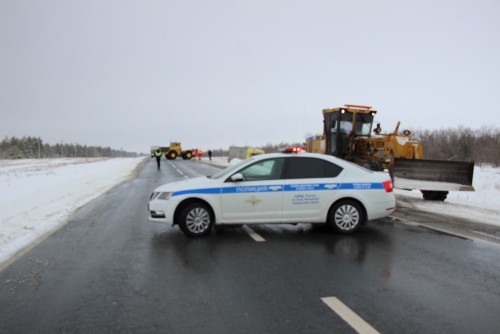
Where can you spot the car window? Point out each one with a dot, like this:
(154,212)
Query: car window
(263,170)
(228,170)
(307,168)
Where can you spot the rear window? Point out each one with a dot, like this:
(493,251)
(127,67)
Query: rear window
(309,168)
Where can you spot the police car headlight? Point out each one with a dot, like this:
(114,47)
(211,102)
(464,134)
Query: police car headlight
(164,196)
(161,195)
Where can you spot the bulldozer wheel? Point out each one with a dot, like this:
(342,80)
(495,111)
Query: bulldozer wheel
(171,155)
(187,155)
(434,195)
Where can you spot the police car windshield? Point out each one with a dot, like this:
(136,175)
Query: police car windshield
(229,169)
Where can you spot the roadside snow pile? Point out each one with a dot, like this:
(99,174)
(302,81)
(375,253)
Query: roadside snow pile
(39,195)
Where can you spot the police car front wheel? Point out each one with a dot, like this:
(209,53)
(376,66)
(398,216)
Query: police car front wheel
(346,217)
(196,220)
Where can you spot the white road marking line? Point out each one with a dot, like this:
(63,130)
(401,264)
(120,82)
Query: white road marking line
(463,236)
(178,170)
(442,230)
(354,320)
(256,237)
(455,234)
(487,235)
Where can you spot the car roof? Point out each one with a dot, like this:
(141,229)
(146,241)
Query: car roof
(341,162)
(291,155)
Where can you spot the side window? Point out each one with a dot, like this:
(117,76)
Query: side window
(308,168)
(263,170)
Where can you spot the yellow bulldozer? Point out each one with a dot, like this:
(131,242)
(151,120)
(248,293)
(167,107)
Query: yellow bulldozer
(173,151)
(347,134)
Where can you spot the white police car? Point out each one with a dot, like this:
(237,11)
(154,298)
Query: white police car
(277,188)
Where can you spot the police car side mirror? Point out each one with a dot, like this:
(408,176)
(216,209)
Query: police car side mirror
(237,177)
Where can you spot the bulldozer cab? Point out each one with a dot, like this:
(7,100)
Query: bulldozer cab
(344,126)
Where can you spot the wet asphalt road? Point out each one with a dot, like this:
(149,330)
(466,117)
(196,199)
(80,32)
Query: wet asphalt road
(110,270)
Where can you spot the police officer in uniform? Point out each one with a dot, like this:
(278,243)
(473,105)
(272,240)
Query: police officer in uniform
(157,155)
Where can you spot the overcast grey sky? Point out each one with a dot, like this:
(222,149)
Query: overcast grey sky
(130,74)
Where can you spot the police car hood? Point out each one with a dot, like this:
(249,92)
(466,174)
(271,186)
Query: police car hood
(198,182)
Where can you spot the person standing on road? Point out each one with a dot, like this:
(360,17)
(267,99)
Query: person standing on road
(157,155)
(210,155)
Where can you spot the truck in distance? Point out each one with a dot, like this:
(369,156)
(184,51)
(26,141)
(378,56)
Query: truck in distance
(243,152)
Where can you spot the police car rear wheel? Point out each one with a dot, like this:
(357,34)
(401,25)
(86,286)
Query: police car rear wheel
(196,220)
(346,217)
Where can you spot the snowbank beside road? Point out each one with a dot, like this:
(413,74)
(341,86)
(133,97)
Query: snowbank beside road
(39,195)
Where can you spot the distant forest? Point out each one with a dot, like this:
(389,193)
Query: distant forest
(464,144)
(33,148)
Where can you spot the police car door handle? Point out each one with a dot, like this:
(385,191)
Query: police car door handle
(330,186)
(275,188)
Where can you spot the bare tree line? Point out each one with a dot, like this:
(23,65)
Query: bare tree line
(464,144)
(34,147)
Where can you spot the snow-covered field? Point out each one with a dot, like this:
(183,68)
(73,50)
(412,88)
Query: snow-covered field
(38,196)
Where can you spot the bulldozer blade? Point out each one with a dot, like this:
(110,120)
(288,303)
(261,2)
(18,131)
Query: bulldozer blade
(436,175)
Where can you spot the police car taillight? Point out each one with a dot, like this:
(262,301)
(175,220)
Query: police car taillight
(387,186)
(294,149)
